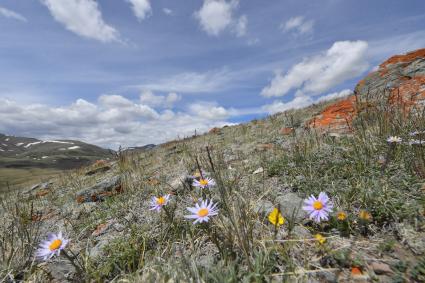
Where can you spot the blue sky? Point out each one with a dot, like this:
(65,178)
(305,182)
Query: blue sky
(131,72)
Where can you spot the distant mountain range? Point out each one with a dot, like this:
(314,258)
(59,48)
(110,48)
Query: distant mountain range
(22,152)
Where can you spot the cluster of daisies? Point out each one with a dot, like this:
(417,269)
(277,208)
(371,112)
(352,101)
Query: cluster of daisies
(318,210)
(202,211)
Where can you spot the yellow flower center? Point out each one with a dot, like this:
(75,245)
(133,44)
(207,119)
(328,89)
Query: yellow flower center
(55,245)
(364,215)
(203,212)
(320,239)
(317,205)
(160,201)
(341,216)
(203,182)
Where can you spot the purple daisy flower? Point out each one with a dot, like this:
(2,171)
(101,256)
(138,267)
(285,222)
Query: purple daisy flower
(158,202)
(54,244)
(318,208)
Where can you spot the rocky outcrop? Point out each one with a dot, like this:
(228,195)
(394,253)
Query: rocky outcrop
(398,82)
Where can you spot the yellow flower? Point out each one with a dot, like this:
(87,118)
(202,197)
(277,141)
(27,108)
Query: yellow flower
(276,218)
(320,238)
(341,215)
(364,215)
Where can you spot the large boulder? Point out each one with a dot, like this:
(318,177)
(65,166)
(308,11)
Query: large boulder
(398,82)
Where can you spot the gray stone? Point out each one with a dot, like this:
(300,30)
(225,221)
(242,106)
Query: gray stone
(97,250)
(62,270)
(263,208)
(291,206)
(177,183)
(100,191)
(301,232)
(327,276)
(79,211)
(381,268)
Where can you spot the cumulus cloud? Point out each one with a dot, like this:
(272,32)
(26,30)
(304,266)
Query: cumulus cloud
(111,121)
(149,98)
(297,103)
(141,8)
(315,75)
(340,94)
(11,15)
(299,25)
(208,110)
(83,18)
(216,16)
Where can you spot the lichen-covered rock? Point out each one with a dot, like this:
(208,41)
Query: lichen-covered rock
(399,82)
(101,190)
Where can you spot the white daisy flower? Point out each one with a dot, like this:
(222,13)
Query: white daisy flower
(158,202)
(204,183)
(394,139)
(52,246)
(202,212)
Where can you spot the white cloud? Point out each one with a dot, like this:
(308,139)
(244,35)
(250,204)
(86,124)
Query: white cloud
(191,82)
(149,98)
(297,103)
(298,25)
(172,98)
(342,93)
(112,121)
(209,110)
(82,17)
(216,16)
(141,8)
(167,11)
(12,15)
(343,61)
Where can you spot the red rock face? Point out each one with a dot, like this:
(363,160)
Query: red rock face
(336,117)
(399,82)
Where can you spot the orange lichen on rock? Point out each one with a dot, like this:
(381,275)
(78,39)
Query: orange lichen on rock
(336,116)
(405,58)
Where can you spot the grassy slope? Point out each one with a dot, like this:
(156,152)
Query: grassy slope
(239,244)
